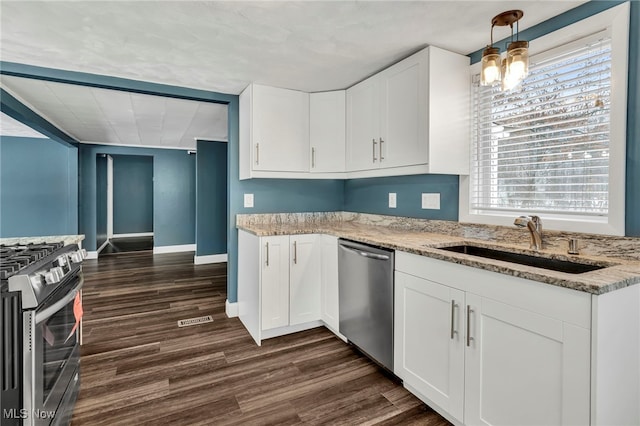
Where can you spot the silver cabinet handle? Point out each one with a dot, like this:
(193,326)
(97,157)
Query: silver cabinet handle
(295,252)
(469,338)
(313,158)
(374,150)
(454,305)
(257,153)
(381,157)
(267,245)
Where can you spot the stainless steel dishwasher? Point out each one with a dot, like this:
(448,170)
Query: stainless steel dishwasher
(365,283)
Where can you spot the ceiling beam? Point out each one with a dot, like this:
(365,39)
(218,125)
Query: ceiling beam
(114,83)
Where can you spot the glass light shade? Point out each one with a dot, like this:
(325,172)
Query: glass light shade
(518,60)
(491,70)
(508,82)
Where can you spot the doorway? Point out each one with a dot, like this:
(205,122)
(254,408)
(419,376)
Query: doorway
(125,203)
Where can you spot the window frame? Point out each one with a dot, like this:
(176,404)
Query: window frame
(616,21)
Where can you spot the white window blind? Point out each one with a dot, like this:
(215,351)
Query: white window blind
(544,146)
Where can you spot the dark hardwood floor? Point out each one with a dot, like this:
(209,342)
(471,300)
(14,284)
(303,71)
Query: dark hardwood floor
(139,368)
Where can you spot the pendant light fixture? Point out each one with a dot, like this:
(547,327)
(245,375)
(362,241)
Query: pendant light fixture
(514,67)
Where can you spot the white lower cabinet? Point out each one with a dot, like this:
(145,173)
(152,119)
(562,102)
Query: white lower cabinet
(304,278)
(524,368)
(275,282)
(287,283)
(329,282)
(429,347)
(484,348)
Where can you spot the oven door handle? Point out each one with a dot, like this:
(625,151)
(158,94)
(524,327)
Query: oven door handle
(47,313)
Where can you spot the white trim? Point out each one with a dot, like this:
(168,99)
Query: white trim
(617,20)
(290,329)
(180,148)
(133,235)
(106,243)
(92,255)
(109,196)
(174,249)
(231,309)
(211,258)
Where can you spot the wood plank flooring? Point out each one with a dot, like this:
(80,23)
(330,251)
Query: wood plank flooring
(139,368)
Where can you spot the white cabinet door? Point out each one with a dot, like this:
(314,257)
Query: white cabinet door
(280,129)
(523,368)
(274,291)
(329,284)
(363,125)
(429,346)
(404,112)
(327,131)
(304,285)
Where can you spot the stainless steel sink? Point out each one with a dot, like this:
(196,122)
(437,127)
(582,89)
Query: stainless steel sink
(567,266)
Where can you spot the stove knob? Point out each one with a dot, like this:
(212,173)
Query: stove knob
(84,253)
(61,261)
(50,277)
(58,272)
(76,257)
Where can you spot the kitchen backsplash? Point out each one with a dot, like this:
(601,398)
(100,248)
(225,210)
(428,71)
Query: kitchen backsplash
(589,244)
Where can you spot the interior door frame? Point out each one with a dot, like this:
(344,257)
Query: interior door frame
(109,197)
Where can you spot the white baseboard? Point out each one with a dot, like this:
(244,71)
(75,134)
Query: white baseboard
(211,258)
(289,329)
(174,249)
(133,235)
(106,243)
(92,255)
(231,309)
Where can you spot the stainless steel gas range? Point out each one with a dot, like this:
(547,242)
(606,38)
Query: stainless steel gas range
(41,311)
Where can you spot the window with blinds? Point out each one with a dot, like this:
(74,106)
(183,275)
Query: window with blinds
(544,146)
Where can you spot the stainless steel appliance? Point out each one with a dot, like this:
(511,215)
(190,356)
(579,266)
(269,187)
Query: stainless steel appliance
(365,283)
(41,309)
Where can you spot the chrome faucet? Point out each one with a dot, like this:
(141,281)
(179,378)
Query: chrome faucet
(534,224)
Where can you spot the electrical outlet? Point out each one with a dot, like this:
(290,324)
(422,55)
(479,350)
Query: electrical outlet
(248,200)
(392,200)
(431,201)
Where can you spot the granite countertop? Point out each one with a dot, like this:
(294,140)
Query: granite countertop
(619,273)
(66,239)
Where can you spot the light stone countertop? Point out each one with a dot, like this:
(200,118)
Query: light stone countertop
(621,271)
(66,239)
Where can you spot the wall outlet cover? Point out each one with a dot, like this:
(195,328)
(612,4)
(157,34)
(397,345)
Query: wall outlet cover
(431,201)
(248,200)
(392,200)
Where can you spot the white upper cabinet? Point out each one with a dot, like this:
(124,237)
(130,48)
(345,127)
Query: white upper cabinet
(274,131)
(363,125)
(413,114)
(410,118)
(327,131)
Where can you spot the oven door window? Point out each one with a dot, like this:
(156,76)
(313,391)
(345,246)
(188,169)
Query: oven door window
(58,342)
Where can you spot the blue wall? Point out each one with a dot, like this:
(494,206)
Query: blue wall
(372,196)
(101,200)
(132,194)
(211,198)
(38,188)
(173,193)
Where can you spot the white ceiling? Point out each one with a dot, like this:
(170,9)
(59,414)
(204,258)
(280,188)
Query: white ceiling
(121,118)
(223,46)
(11,127)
